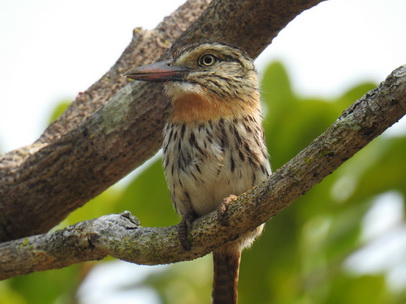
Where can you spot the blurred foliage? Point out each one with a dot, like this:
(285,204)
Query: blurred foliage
(59,109)
(300,258)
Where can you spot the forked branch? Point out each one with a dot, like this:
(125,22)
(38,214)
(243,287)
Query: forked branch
(112,127)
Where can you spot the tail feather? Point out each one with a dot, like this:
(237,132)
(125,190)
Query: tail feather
(226,262)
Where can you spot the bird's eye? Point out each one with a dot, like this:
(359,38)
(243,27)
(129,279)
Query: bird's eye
(207,60)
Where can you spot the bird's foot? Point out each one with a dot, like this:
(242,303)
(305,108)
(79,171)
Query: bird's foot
(183,227)
(222,209)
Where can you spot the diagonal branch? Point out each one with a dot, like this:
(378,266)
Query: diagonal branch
(112,127)
(122,237)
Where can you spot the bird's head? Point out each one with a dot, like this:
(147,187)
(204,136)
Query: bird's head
(205,81)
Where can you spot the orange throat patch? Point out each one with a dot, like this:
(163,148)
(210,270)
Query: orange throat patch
(192,107)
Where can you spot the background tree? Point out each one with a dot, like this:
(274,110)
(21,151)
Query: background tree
(273,133)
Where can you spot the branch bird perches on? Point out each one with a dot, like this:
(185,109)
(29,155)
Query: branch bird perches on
(121,236)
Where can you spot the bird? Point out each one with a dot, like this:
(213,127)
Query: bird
(213,142)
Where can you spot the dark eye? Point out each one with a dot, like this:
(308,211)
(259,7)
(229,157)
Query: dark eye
(207,60)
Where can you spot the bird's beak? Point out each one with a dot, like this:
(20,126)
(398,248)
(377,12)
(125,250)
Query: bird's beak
(157,72)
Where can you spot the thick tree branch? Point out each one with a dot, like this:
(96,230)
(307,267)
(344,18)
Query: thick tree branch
(111,128)
(121,236)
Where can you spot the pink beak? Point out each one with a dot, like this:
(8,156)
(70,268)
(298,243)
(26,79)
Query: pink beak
(157,72)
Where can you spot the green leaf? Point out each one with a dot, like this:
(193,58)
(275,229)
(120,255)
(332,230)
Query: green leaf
(53,286)
(59,109)
(354,290)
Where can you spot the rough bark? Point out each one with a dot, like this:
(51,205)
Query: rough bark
(113,127)
(122,237)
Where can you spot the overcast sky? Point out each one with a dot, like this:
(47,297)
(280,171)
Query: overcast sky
(52,50)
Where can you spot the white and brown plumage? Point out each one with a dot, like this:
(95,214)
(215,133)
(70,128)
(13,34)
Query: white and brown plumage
(213,141)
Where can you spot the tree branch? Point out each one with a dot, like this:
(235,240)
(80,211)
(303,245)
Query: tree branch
(121,236)
(112,127)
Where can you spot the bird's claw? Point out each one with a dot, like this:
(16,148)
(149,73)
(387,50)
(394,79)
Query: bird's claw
(222,209)
(184,226)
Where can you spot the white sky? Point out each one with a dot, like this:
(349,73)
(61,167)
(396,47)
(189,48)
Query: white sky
(51,50)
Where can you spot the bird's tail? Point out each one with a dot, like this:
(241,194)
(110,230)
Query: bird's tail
(226,262)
